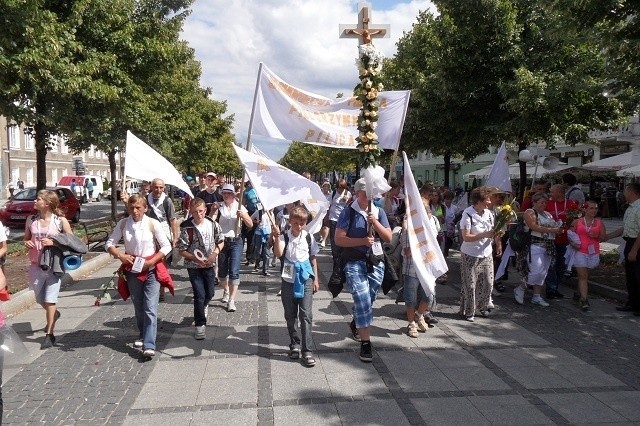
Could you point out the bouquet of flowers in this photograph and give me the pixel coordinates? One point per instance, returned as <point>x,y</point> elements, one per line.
<point>572,214</point>
<point>504,215</point>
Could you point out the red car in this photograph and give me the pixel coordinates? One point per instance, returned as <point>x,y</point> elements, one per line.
<point>17,209</point>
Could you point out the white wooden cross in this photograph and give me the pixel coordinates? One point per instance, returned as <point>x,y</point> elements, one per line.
<point>364,31</point>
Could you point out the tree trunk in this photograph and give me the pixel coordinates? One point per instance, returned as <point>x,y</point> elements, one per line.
<point>447,167</point>
<point>523,172</point>
<point>114,192</point>
<point>41,141</point>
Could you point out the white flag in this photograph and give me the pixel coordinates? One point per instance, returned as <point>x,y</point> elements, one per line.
<point>499,174</point>
<point>427,258</point>
<point>144,163</point>
<point>285,112</point>
<point>276,185</point>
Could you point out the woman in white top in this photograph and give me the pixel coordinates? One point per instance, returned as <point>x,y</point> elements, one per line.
<point>229,258</point>
<point>476,227</point>
<point>534,263</point>
<point>140,234</point>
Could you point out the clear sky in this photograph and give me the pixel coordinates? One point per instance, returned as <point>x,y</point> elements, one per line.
<point>297,39</point>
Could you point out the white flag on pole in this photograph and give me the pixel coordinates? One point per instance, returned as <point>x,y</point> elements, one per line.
<point>144,163</point>
<point>499,174</point>
<point>276,185</point>
<point>427,257</point>
<point>286,112</point>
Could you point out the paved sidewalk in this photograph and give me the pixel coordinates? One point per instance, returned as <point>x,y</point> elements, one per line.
<point>523,365</point>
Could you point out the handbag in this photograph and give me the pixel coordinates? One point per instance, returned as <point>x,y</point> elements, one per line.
<point>391,277</point>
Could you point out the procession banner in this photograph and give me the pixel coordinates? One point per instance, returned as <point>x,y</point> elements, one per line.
<point>144,163</point>
<point>276,185</point>
<point>499,174</point>
<point>427,257</point>
<point>282,111</point>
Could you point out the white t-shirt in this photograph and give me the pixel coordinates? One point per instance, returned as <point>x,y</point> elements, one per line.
<point>476,224</point>
<point>206,231</point>
<point>228,219</point>
<point>298,250</point>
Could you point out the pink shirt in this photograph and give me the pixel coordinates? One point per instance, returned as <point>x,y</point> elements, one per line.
<point>582,229</point>
<point>38,234</point>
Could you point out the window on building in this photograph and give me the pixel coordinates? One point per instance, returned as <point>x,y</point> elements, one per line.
<point>54,176</point>
<point>64,148</point>
<point>29,180</point>
<point>15,174</point>
<point>29,142</point>
<point>91,151</point>
<point>14,137</point>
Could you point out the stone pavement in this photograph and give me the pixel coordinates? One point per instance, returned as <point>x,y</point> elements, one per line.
<point>523,365</point>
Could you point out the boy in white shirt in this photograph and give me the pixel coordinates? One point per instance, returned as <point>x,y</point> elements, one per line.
<point>298,251</point>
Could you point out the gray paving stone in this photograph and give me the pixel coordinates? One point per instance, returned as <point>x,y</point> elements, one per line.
<point>474,378</point>
<point>291,387</point>
<point>380,412</point>
<point>295,415</point>
<point>356,383</point>
<point>515,357</point>
<point>435,338</point>
<point>340,362</point>
<point>495,333</point>
<point>219,391</point>
<point>453,411</point>
<point>168,394</point>
<point>452,358</point>
<point>538,377</point>
<point>581,408</point>
<point>553,356</point>
<point>158,419</point>
<point>584,375</point>
<point>243,416</point>
<point>188,370</point>
<point>509,410</point>
<point>227,368</point>
<point>624,403</point>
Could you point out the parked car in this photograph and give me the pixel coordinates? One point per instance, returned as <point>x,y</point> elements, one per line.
<point>81,192</point>
<point>16,211</point>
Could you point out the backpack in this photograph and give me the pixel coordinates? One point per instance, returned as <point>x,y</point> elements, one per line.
<point>286,244</point>
<point>519,237</point>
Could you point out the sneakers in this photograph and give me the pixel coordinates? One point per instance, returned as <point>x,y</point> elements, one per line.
<point>200,332</point>
<point>231,307</point>
<point>431,320</point>
<point>518,294</point>
<point>366,354</point>
<point>485,313</point>
<point>490,305</point>
<point>470,318</point>
<point>279,293</point>
<point>584,305</point>
<point>148,353</point>
<point>538,300</point>
<point>422,324</point>
<point>412,329</point>
<point>266,274</point>
<point>225,296</point>
<point>206,314</point>
<point>49,341</point>
<point>354,330</point>
<point>294,353</point>
<point>137,344</point>
<point>309,361</point>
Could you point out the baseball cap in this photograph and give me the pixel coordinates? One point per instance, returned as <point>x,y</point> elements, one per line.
<point>360,185</point>
<point>228,187</point>
<point>212,174</point>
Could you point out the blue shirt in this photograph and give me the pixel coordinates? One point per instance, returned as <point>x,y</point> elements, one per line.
<point>358,228</point>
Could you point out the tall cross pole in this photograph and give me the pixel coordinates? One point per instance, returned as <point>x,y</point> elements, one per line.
<point>364,30</point>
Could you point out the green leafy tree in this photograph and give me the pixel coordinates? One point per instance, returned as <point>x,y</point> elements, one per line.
<point>302,157</point>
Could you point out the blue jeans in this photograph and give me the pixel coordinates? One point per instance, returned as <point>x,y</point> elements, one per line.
<point>260,251</point>
<point>229,259</point>
<point>144,296</point>
<point>556,272</point>
<point>363,287</point>
<point>203,281</point>
<point>302,309</point>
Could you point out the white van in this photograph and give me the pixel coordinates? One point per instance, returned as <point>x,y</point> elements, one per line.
<point>81,192</point>
<point>132,186</point>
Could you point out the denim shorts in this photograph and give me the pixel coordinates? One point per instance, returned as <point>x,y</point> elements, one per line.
<point>413,292</point>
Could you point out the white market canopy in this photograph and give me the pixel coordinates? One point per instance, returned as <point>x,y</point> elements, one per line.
<point>618,162</point>
<point>514,171</point>
<point>629,172</point>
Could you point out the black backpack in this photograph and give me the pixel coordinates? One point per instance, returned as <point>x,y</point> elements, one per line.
<point>519,238</point>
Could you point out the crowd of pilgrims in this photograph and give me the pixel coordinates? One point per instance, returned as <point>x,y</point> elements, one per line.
<point>225,226</point>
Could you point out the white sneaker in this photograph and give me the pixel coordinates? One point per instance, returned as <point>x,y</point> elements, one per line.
<point>200,332</point>
<point>137,344</point>
<point>538,300</point>
<point>518,293</point>
<point>148,353</point>
<point>231,307</point>
<point>490,305</point>
<point>225,296</point>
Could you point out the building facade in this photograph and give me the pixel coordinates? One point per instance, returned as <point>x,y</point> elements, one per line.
<point>19,159</point>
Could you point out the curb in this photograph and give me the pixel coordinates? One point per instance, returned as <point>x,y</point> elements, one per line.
<point>608,292</point>
<point>24,299</point>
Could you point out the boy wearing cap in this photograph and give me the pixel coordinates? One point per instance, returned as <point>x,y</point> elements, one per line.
<point>200,243</point>
<point>210,195</point>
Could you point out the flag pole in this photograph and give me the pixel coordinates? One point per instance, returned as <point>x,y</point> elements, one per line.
<point>249,143</point>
